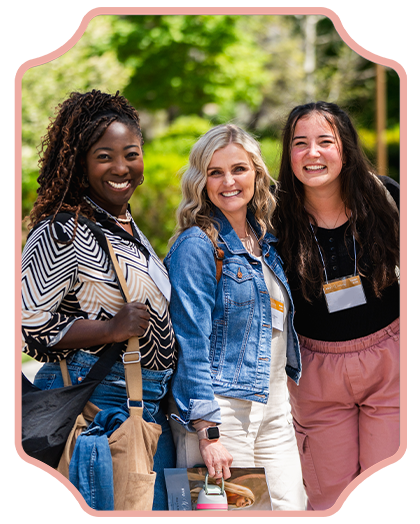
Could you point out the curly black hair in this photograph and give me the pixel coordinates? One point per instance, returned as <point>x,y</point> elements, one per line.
<point>81,120</point>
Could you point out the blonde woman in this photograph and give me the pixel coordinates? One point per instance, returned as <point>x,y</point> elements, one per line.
<point>235,334</point>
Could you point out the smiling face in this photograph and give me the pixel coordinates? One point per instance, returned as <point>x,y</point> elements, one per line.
<point>231,180</point>
<point>114,167</point>
<point>316,154</point>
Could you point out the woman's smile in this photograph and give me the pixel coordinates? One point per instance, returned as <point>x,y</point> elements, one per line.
<point>314,169</point>
<point>120,185</point>
<point>231,193</point>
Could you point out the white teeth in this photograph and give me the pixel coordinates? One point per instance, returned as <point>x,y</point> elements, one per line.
<point>119,185</point>
<point>314,168</point>
<point>231,193</point>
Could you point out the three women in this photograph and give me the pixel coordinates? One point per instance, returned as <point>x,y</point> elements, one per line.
<point>232,307</point>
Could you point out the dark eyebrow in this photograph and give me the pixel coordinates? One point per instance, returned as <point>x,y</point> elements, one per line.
<point>110,148</point>
<point>320,136</point>
<point>233,165</point>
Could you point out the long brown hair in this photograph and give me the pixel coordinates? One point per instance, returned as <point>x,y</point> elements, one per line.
<point>80,122</point>
<point>374,222</point>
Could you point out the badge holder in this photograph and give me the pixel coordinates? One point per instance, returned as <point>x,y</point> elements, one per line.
<point>345,292</point>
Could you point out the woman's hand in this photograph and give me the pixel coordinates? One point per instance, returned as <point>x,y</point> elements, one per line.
<point>216,458</point>
<point>132,320</point>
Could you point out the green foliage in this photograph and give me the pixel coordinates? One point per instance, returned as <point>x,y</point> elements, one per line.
<point>368,140</point>
<point>181,63</point>
<point>154,204</point>
<point>271,153</point>
<point>26,358</point>
<point>185,73</point>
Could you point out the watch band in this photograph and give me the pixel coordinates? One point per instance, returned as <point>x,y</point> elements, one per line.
<point>209,433</point>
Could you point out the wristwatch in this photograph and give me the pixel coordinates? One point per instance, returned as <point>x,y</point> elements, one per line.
<point>209,433</point>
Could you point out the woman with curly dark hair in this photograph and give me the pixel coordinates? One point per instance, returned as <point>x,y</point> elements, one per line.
<point>91,163</point>
<point>337,225</point>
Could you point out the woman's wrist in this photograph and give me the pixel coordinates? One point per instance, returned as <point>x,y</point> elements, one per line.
<point>200,424</point>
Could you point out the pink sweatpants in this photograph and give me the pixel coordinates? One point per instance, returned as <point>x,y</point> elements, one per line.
<point>345,410</point>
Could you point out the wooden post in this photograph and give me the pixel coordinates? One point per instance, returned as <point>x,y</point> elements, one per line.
<point>381,148</point>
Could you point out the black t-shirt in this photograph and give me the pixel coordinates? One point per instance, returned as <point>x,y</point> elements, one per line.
<point>313,320</point>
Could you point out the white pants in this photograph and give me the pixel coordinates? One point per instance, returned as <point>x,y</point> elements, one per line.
<point>256,435</point>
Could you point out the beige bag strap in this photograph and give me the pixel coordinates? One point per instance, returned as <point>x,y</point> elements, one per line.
<point>131,356</point>
<point>65,372</point>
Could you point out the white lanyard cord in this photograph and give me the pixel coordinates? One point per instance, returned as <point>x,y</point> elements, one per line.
<point>322,258</point>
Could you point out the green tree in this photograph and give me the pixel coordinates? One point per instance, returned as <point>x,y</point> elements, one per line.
<point>184,63</point>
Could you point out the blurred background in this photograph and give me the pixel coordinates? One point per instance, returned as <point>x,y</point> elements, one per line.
<point>187,73</point>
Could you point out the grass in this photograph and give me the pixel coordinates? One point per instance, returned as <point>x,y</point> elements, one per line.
<point>26,358</point>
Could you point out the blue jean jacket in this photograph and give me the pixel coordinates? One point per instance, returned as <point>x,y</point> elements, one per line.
<point>90,469</point>
<point>223,330</point>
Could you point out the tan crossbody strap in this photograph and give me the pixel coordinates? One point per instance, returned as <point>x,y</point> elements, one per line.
<point>131,356</point>
<point>218,257</point>
<point>65,372</point>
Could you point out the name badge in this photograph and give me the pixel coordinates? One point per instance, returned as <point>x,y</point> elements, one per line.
<point>160,278</point>
<point>277,314</point>
<point>344,293</point>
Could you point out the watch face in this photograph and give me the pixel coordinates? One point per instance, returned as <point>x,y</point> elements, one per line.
<point>213,432</point>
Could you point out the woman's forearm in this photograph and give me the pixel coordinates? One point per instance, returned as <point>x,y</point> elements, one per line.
<point>86,333</point>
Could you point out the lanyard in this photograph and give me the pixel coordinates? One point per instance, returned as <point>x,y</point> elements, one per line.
<point>322,258</point>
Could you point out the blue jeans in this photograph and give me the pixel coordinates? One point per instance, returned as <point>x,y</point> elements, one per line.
<point>111,392</point>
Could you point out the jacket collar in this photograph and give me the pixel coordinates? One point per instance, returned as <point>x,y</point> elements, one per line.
<point>230,238</point>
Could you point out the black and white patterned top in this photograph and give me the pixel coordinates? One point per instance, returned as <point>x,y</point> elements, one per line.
<point>63,283</point>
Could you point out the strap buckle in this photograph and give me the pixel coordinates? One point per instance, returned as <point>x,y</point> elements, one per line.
<point>140,404</point>
<point>131,353</point>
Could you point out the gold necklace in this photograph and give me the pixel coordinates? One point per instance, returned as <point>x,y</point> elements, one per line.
<point>335,223</point>
<point>250,242</point>
<point>247,233</point>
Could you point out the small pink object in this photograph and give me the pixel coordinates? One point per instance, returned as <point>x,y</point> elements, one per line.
<point>212,497</point>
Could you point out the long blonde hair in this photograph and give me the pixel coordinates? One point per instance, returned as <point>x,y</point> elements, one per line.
<point>195,207</point>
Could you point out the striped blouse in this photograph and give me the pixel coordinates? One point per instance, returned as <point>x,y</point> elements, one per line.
<point>63,283</point>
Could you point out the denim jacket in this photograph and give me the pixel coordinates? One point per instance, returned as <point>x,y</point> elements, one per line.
<point>223,330</point>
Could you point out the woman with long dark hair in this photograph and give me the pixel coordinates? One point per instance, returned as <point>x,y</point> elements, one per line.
<point>337,225</point>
